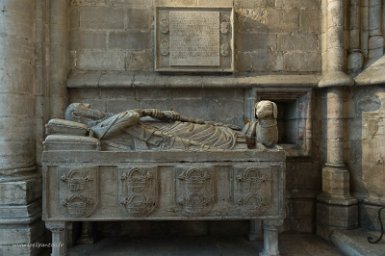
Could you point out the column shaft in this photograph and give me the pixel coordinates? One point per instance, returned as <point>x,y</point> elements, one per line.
<point>335,20</point>
<point>355,61</point>
<point>20,184</point>
<point>365,27</point>
<point>376,39</point>
<point>17,102</point>
<point>59,56</point>
<point>335,128</point>
<point>335,51</point>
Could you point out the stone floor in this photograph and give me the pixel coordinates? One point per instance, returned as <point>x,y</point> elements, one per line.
<point>355,242</point>
<point>290,245</point>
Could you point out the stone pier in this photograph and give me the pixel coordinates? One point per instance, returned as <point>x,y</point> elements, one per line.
<point>20,185</point>
<point>336,208</point>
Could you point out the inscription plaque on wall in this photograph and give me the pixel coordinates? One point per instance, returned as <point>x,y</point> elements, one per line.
<point>194,39</point>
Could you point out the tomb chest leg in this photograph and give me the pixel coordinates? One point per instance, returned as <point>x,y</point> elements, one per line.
<point>270,238</point>
<point>59,246</point>
<point>255,231</point>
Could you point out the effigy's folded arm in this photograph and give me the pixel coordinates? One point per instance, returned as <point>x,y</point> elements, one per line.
<point>115,124</point>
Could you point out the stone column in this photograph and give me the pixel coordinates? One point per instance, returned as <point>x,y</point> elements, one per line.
<point>20,185</point>
<point>365,27</point>
<point>376,39</point>
<point>383,21</point>
<point>355,61</point>
<point>336,209</point>
<point>59,56</point>
<point>335,52</point>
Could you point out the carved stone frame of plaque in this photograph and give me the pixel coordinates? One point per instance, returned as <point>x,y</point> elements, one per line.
<point>194,39</point>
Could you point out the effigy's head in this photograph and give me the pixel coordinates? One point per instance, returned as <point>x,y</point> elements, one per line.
<point>83,113</point>
<point>266,109</point>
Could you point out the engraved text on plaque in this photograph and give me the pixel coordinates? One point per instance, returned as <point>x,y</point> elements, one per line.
<point>195,38</point>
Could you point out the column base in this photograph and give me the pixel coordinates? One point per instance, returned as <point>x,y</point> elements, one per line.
<point>334,214</point>
<point>23,240</point>
<point>21,229</point>
<point>267,254</point>
<point>355,62</point>
<point>335,78</point>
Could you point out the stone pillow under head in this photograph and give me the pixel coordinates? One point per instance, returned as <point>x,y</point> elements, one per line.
<point>62,126</point>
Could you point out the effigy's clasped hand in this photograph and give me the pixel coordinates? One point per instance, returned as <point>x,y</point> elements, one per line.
<point>171,115</point>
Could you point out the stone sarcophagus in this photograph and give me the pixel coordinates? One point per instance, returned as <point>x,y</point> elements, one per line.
<point>127,167</point>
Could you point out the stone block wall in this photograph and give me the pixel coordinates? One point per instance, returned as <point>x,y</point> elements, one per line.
<point>278,36</point>
<point>271,35</point>
<point>111,35</point>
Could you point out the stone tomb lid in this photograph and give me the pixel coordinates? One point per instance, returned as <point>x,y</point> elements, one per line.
<point>194,39</point>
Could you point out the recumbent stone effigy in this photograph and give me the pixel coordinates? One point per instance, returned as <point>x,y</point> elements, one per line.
<point>148,164</point>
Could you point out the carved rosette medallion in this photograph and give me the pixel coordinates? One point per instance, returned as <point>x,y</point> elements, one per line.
<point>164,48</point>
<point>164,25</point>
<point>139,190</point>
<point>78,190</point>
<point>225,27</point>
<point>194,191</point>
<point>225,49</point>
<point>252,190</point>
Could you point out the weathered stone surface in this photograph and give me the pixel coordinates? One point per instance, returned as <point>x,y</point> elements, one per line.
<point>175,3</point>
<point>273,38</point>
<point>345,217</point>
<point>310,20</point>
<point>90,79</point>
<point>101,60</point>
<point>299,41</point>
<point>139,18</point>
<point>297,3</point>
<point>369,216</point>
<point>286,20</point>
<point>372,135</point>
<point>20,213</point>
<point>21,235</point>
<point>304,61</point>
<point>84,39</point>
<point>246,42</point>
<point>259,61</point>
<point>101,18</point>
<point>131,40</point>
<point>373,74</point>
<point>215,3</point>
<point>355,242</point>
<point>20,192</point>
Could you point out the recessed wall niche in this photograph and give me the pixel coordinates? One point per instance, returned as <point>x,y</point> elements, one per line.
<point>294,119</point>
